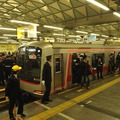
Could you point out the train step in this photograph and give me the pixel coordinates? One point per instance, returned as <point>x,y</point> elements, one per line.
<point>2,98</point>
<point>2,90</point>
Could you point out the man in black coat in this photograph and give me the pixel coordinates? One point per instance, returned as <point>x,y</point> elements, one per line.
<point>99,68</point>
<point>13,92</point>
<point>47,78</point>
<point>83,70</point>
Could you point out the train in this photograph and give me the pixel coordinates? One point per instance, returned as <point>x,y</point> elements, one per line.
<point>32,56</point>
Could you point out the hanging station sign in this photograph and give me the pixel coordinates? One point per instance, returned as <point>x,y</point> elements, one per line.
<point>27,32</point>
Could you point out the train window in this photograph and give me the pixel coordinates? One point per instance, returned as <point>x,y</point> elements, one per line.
<point>20,58</point>
<point>95,57</point>
<point>57,65</point>
<point>22,50</point>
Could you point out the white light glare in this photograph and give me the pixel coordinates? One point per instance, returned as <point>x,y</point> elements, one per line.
<point>116,13</point>
<point>23,22</point>
<point>98,4</point>
<point>52,27</point>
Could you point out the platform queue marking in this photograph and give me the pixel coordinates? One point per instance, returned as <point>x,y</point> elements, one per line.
<point>61,107</point>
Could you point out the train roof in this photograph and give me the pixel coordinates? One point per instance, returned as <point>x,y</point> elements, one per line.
<point>42,45</point>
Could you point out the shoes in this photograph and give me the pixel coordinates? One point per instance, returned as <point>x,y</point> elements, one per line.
<point>22,115</point>
<point>12,118</point>
<point>49,100</point>
<point>44,102</point>
<point>87,88</point>
<point>82,87</point>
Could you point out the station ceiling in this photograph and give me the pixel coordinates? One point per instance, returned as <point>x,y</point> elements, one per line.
<point>71,15</point>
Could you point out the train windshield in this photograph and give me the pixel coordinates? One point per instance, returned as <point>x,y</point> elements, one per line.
<point>30,60</point>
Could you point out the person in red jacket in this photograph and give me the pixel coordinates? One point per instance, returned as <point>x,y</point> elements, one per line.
<point>14,93</point>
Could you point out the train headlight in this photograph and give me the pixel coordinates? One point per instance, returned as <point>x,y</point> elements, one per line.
<point>38,92</point>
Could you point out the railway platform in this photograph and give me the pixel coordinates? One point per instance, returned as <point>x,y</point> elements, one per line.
<point>100,102</point>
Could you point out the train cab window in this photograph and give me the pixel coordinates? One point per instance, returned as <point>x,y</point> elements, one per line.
<point>57,65</point>
<point>20,58</point>
<point>33,61</point>
<point>29,58</point>
<point>95,57</point>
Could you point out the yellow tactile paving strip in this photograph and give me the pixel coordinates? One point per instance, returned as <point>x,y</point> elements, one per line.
<point>59,108</point>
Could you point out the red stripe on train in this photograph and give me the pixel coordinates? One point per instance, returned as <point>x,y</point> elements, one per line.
<point>29,82</point>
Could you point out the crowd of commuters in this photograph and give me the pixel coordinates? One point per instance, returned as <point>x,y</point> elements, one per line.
<point>6,63</point>
<point>81,68</point>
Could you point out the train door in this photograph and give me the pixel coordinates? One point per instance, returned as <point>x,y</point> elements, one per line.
<point>58,72</point>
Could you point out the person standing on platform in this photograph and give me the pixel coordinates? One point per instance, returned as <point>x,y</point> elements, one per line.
<point>14,93</point>
<point>75,69</point>
<point>89,72</point>
<point>46,79</point>
<point>99,68</point>
<point>1,72</point>
<point>83,70</point>
<point>118,62</point>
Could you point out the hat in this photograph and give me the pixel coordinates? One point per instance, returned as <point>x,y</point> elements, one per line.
<point>48,57</point>
<point>16,68</point>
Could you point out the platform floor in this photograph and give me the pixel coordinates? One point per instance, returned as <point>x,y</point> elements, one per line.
<point>101,102</point>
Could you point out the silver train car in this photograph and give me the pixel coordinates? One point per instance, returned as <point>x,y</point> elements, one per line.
<point>32,57</point>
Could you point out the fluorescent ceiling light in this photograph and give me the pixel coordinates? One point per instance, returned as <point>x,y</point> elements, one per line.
<point>52,27</point>
<point>23,22</point>
<point>116,13</point>
<point>74,36</point>
<point>38,32</point>
<point>58,34</point>
<point>98,4</point>
<point>82,32</point>
<point>3,42</point>
<point>11,40</point>
<point>104,36</point>
<point>12,29</point>
<point>114,37</point>
<point>95,34</point>
<point>9,35</point>
<point>3,37</point>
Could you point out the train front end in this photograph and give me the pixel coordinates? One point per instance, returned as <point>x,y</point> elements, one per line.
<point>29,58</point>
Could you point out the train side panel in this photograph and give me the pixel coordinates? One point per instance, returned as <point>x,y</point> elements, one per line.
<point>61,63</point>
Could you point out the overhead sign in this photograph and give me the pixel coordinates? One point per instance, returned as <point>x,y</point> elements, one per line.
<point>27,32</point>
